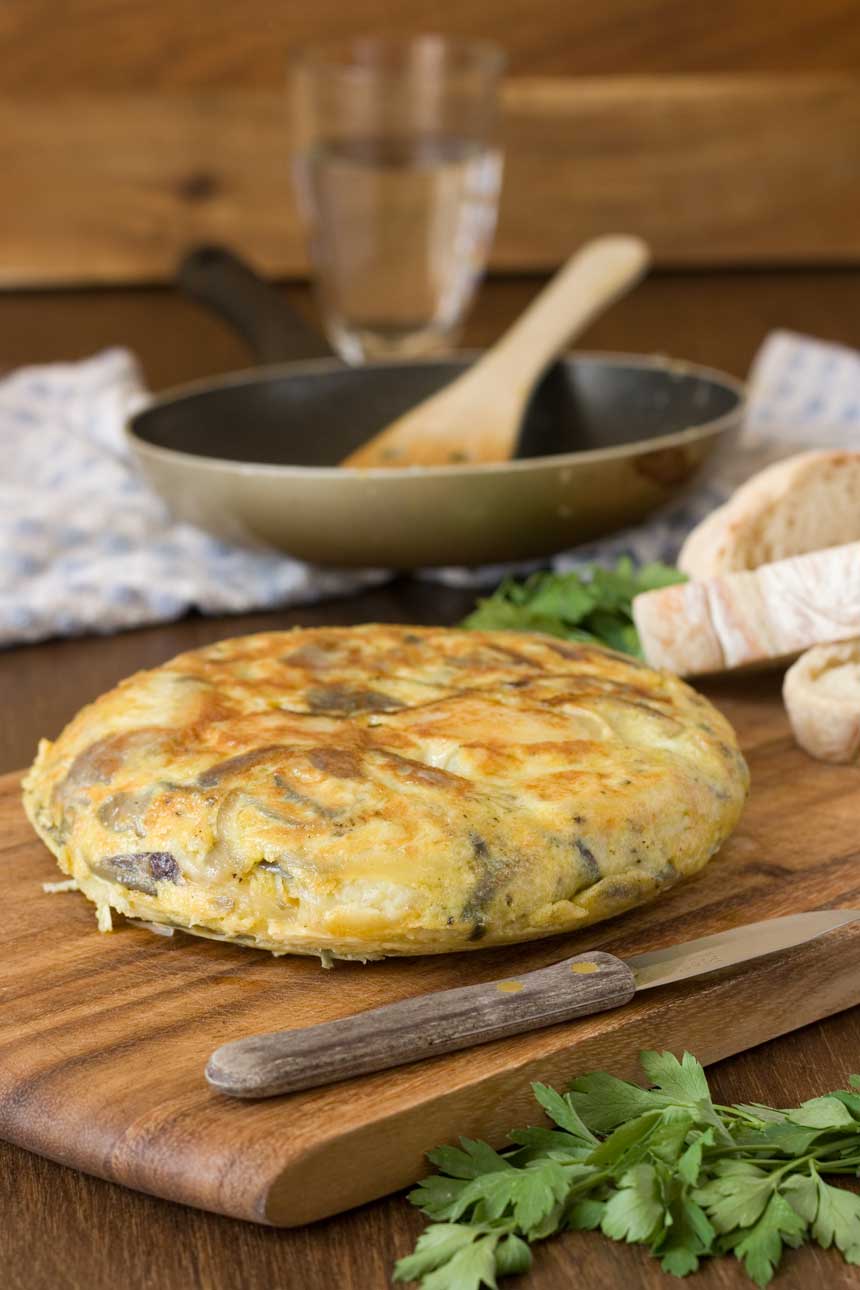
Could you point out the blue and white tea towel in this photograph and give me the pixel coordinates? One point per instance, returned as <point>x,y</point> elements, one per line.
<point>86,546</point>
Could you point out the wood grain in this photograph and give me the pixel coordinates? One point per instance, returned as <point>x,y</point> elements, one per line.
<point>113,188</point>
<point>110,45</point>
<point>103,1039</point>
<point>423,1026</point>
<point>71,1231</point>
<point>74,1232</point>
<point>712,318</point>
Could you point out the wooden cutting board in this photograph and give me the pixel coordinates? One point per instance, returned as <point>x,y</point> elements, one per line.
<point>103,1039</point>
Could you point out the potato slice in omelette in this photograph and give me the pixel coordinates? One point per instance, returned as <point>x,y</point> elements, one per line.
<point>364,791</point>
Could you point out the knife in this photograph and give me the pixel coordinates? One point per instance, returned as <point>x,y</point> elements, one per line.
<point>444,1021</point>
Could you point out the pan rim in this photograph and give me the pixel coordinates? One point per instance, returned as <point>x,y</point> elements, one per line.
<point>609,358</point>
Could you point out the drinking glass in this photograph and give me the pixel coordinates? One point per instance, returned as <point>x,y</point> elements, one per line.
<point>397,172</point>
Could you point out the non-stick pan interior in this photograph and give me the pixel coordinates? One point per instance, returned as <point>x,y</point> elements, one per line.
<point>314,417</point>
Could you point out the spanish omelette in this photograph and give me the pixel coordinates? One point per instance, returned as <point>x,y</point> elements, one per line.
<point>364,791</point>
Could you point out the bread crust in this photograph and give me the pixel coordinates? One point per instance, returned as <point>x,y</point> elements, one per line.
<point>752,619</point>
<point>822,698</point>
<point>806,503</point>
<point>360,792</point>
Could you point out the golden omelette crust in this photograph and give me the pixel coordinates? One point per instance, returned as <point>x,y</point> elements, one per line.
<point>364,791</point>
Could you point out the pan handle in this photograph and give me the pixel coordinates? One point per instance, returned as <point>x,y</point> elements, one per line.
<point>218,279</point>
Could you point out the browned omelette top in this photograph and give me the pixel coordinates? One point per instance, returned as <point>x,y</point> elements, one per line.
<point>379,789</point>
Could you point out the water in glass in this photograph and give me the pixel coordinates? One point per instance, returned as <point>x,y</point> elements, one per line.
<point>403,226</point>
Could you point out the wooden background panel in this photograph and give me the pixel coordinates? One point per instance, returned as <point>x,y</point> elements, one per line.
<point>710,170</point>
<point>127,45</point>
<point>726,134</point>
<point>112,188</point>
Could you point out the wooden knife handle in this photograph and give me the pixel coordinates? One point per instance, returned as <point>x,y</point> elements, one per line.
<point>441,1022</point>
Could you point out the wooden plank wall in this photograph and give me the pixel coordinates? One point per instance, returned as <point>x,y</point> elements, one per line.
<point>726,134</point>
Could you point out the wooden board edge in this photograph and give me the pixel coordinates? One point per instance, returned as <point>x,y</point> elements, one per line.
<point>288,1183</point>
<point>776,998</point>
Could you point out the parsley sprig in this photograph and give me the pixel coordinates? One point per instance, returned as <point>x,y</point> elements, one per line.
<point>593,605</point>
<point>663,1166</point>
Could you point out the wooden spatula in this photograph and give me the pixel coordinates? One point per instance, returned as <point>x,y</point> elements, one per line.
<point>477,418</point>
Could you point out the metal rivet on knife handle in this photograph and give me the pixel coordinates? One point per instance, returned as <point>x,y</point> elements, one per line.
<point>413,1029</point>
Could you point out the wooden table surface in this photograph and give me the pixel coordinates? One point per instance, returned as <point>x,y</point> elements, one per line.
<point>64,1231</point>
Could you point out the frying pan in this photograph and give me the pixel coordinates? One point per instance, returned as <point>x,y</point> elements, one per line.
<point>251,457</point>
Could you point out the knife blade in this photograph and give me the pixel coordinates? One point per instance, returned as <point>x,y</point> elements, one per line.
<point>739,945</point>
<point>444,1021</point>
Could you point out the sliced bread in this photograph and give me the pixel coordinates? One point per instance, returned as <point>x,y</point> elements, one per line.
<point>803,504</point>
<point>742,619</point>
<point>822,697</point>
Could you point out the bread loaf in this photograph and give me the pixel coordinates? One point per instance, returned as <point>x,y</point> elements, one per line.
<point>741,619</point>
<point>822,697</point>
<point>806,503</point>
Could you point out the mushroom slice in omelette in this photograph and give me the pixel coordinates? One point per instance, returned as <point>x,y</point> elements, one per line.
<point>364,791</point>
